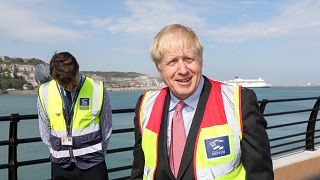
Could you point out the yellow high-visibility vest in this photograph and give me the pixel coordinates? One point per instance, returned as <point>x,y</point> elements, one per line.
<point>85,127</point>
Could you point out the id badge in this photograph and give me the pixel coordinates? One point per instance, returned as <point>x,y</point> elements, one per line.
<point>66,141</point>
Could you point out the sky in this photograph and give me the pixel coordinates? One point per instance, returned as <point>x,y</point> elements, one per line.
<point>278,40</point>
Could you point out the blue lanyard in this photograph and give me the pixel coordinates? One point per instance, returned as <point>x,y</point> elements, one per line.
<point>69,112</point>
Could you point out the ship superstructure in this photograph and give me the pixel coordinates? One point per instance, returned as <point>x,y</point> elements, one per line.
<point>249,83</point>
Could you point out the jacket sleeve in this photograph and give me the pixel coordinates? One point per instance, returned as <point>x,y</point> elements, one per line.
<point>138,155</point>
<point>255,146</point>
<point>106,121</point>
<point>44,124</point>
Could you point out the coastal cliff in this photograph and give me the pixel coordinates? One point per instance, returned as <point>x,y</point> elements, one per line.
<point>120,81</point>
<point>33,74</point>
<point>19,73</point>
<point>28,74</point>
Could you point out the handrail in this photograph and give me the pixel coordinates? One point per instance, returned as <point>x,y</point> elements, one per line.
<point>13,142</point>
<point>311,126</point>
<point>311,122</point>
<point>309,133</point>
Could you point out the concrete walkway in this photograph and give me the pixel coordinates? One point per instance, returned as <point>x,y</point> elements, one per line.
<point>299,166</point>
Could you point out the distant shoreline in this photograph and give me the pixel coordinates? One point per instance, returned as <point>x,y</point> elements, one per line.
<point>16,92</point>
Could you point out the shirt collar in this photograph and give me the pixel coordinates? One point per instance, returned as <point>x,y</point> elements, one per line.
<point>191,101</point>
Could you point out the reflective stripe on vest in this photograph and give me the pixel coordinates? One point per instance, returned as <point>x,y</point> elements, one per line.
<point>76,152</point>
<point>220,133</point>
<point>85,123</point>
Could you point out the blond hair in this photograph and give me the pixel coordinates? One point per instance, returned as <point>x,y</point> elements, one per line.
<point>172,37</point>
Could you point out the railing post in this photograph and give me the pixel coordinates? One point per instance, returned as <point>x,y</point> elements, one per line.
<point>12,152</point>
<point>263,105</point>
<point>311,126</point>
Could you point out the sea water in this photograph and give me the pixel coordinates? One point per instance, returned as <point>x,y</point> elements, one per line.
<point>26,104</point>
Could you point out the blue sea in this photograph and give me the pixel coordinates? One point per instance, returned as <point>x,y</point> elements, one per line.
<point>26,104</point>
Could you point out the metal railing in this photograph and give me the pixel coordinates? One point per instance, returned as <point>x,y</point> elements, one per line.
<point>309,133</point>
<point>14,141</point>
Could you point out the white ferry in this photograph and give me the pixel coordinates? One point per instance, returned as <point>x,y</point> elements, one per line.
<point>249,83</point>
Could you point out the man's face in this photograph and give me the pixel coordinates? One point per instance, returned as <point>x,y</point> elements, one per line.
<point>181,71</point>
<point>72,85</point>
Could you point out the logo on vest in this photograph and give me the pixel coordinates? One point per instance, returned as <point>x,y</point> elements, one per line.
<point>84,103</point>
<point>217,147</point>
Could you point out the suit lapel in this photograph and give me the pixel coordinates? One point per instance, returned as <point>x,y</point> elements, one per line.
<point>194,129</point>
<point>163,159</point>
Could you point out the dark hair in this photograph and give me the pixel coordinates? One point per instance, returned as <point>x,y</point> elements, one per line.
<point>64,67</point>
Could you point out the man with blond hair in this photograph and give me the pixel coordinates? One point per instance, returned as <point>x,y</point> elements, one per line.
<point>196,128</point>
